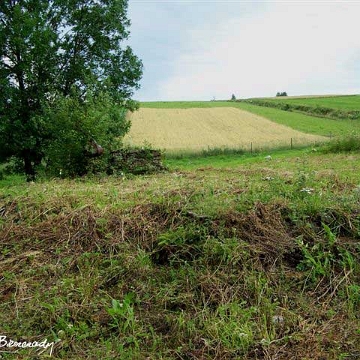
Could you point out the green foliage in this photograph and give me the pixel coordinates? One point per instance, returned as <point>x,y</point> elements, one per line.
<point>180,237</point>
<point>122,313</point>
<point>73,124</point>
<point>51,50</point>
<point>323,258</point>
<point>352,294</point>
<point>281,94</point>
<point>233,325</point>
<point>350,143</point>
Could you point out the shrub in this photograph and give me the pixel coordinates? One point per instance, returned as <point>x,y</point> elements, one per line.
<point>351,143</point>
<point>74,125</point>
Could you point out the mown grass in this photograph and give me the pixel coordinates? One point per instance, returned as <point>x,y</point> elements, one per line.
<point>350,102</point>
<point>223,158</point>
<point>301,122</point>
<point>250,258</point>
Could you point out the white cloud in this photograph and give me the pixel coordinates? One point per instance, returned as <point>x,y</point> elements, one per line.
<point>299,47</point>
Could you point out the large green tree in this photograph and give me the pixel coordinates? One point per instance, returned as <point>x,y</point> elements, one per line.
<point>53,50</point>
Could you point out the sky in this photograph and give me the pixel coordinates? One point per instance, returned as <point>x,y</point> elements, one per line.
<point>205,50</point>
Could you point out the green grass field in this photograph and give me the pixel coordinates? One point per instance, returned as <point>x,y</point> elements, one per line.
<point>305,123</point>
<point>351,102</point>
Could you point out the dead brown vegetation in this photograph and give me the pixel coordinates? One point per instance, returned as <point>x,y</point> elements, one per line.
<point>38,243</point>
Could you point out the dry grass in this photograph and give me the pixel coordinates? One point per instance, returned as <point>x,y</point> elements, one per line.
<point>213,264</point>
<point>201,128</point>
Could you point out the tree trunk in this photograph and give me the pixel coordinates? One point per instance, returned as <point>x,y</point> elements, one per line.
<point>28,165</point>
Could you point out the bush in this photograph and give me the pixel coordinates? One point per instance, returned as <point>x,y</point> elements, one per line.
<point>351,143</point>
<point>75,126</point>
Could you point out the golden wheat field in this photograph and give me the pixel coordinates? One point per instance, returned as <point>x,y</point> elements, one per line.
<point>203,128</point>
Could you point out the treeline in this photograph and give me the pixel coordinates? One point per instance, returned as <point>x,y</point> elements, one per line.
<point>318,111</point>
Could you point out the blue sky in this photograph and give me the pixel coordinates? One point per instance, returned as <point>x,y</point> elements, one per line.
<point>201,50</point>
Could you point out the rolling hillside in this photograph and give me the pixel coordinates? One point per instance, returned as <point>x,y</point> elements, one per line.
<point>215,127</point>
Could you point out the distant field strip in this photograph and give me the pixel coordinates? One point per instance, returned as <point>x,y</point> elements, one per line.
<point>202,128</point>
<point>348,103</point>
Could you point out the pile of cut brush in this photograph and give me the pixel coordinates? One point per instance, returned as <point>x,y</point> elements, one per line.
<point>136,161</point>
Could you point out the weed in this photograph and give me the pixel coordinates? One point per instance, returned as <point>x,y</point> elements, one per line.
<point>232,325</point>
<point>122,314</point>
<point>323,258</point>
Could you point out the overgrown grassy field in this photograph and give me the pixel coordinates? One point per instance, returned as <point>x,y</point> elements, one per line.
<point>241,257</point>
<point>195,129</point>
<point>350,102</point>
